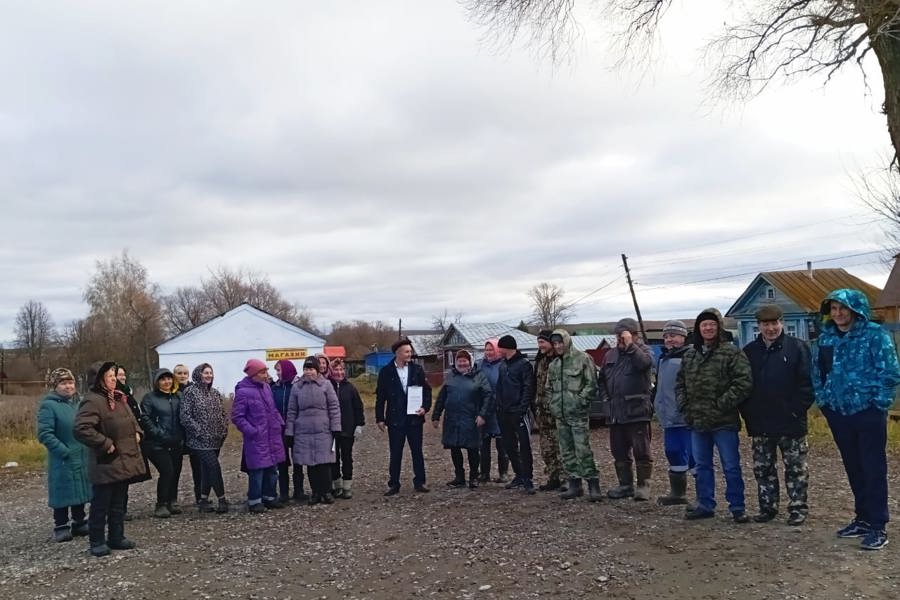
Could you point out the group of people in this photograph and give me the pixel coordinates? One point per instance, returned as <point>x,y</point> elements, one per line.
<point>701,393</point>
<point>100,444</point>
<point>702,390</point>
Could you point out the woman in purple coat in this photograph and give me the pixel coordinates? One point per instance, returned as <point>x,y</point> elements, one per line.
<point>255,415</point>
<point>313,423</point>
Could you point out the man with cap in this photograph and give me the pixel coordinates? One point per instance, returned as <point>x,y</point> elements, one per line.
<point>676,435</point>
<point>855,373</point>
<point>396,382</point>
<point>713,381</point>
<point>571,386</point>
<point>515,396</point>
<point>624,382</point>
<point>546,423</point>
<point>775,414</point>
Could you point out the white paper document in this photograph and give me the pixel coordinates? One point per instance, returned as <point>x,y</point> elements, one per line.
<point>413,399</point>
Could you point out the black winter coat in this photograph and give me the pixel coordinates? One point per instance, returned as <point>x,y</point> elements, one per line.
<point>624,382</point>
<point>160,420</point>
<point>462,398</point>
<point>352,413</point>
<point>516,386</point>
<point>782,387</point>
<point>390,397</point>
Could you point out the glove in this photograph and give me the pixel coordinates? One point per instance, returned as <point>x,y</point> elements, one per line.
<point>289,441</point>
<point>357,433</point>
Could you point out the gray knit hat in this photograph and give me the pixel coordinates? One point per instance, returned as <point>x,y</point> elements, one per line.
<point>675,327</point>
<point>627,324</point>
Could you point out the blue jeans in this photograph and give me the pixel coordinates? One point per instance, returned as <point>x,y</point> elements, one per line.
<point>861,439</point>
<point>677,443</point>
<point>728,444</point>
<point>261,485</point>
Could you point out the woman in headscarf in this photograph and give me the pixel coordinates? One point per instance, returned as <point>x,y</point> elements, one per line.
<point>313,424</point>
<point>324,365</point>
<point>67,481</point>
<point>255,415</point>
<point>353,419</point>
<point>281,394</point>
<point>164,440</point>
<point>465,400</point>
<point>205,425</point>
<point>490,368</point>
<point>105,424</point>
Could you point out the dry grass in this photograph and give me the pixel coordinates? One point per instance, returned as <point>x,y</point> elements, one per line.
<point>18,415</point>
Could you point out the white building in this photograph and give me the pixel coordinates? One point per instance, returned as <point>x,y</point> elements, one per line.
<point>229,340</point>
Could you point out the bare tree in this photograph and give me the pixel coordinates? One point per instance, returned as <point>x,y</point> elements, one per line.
<point>224,290</point>
<point>34,329</point>
<point>361,337</point>
<point>879,191</point>
<point>549,308</point>
<point>773,39</point>
<point>444,320</point>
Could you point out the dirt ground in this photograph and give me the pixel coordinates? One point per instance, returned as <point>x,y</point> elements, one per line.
<point>487,543</point>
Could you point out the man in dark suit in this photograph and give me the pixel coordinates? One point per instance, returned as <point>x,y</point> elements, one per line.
<point>396,382</point>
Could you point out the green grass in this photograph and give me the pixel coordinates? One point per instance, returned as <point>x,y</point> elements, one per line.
<point>819,432</point>
<point>30,454</point>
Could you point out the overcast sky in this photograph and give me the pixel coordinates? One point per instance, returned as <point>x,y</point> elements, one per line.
<point>378,160</point>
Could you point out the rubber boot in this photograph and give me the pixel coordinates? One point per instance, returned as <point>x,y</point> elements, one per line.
<point>677,490</point>
<point>574,490</point>
<point>97,541</point>
<point>644,471</point>
<point>348,489</point>
<point>625,475</point>
<point>62,533</point>
<point>594,493</point>
<point>337,488</point>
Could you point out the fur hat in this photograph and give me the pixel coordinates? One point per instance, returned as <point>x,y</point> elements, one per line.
<point>675,328</point>
<point>508,342</point>
<point>254,366</point>
<point>769,312</point>
<point>57,376</point>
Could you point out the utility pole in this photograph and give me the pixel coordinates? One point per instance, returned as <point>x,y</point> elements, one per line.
<point>634,298</point>
<point>400,329</point>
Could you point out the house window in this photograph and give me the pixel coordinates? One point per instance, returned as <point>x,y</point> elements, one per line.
<point>791,330</point>
<point>770,293</point>
<point>755,331</point>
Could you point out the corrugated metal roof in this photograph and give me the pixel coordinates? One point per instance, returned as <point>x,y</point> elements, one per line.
<point>592,342</point>
<point>426,344</point>
<point>808,292</point>
<point>476,334</point>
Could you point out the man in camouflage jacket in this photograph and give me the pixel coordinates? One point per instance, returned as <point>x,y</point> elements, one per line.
<point>714,380</point>
<point>571,386</point>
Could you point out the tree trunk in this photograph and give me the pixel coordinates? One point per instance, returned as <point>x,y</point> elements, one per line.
<point>886,46</point>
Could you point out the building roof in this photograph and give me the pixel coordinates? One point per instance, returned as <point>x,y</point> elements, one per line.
<point>425,344</point>
<point>890,295</point>
<point>808,288</point>
<point>335,352</point>
<point>476,334</point>
<point>592,342</point>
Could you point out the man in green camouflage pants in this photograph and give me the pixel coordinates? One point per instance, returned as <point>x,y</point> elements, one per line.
<point>546,423</point>
<point>571,386</point>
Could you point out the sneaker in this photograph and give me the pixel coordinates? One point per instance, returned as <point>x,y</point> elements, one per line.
<point>796,518</point>
<point>740,516</point>
<point>515,483</point>
<point>422,489</point>
<point>259,507</point>
<point>392,491</point>
<point>765,516</point>
<point>698,513</point>
<point>876,539</point>
<point>456,483</point>
<point>854,530</point>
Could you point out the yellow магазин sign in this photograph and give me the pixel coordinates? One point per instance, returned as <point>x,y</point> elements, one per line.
<point>286,353</point>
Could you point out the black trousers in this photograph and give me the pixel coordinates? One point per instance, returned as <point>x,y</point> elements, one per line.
<point>61,515</point>
<point>210,473</point>
<point>456,456</point>
<point>517,439</point>
<point>108,508</point>
<point>196,475</point>
<point>319,479</point>
<point>168,463</point>
<point>410,431</point>
<point>284,479</point>
<point>502,458</point>
<point>343,463</point>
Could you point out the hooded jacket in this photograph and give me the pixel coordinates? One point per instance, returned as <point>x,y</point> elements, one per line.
<point>782,387</point>
<point>624,382</point>
<point>203,414</point>
<point>281,389</point>
<point>254,414</point>
<point>713,381</point>
<point>571,383</point>
<point>160,416</point>
<point>857,370</point>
